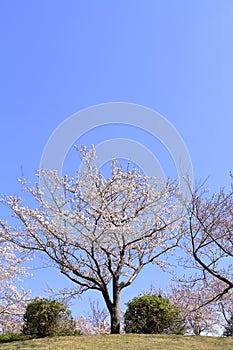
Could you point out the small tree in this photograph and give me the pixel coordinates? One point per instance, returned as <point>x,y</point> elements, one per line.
<point>96,321</point>
<point>45,317</point>
<point>13,299</point>
<point>152,314</point>
<point>228,332</point>
<point>201,316</point>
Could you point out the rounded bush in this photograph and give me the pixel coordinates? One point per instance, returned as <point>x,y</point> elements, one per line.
<point>152,314</point>
<point>44,317</point>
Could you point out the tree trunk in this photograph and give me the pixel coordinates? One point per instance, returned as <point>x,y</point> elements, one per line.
<point>115,319</point>
<point>115,308</point>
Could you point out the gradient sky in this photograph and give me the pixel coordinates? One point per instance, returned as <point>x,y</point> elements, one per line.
<point>58,57</point>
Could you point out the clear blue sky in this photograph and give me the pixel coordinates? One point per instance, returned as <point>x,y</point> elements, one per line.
<point>58,57</point>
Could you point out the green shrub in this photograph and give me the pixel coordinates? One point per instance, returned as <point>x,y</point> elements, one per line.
<point>44,317</point>
<point>9,337</point>
<point>152,314</point>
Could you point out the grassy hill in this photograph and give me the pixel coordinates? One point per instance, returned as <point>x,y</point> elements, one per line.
<point>123,342</point>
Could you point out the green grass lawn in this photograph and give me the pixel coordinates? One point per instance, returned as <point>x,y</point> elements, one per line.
<point>123,342</point>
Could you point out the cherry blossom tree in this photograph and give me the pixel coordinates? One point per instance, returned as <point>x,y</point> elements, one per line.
<point>201,318</point>
<point>208,240</point>
<point>95,322</point>
<point>224,305</point>
<point>100,231</point>
<point>194,296</point>
<point>13,298</point>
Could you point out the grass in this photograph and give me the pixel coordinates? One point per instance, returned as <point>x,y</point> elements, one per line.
<point>123,342</point>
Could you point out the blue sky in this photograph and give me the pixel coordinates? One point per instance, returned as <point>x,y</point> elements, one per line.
<point>59,57</point>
